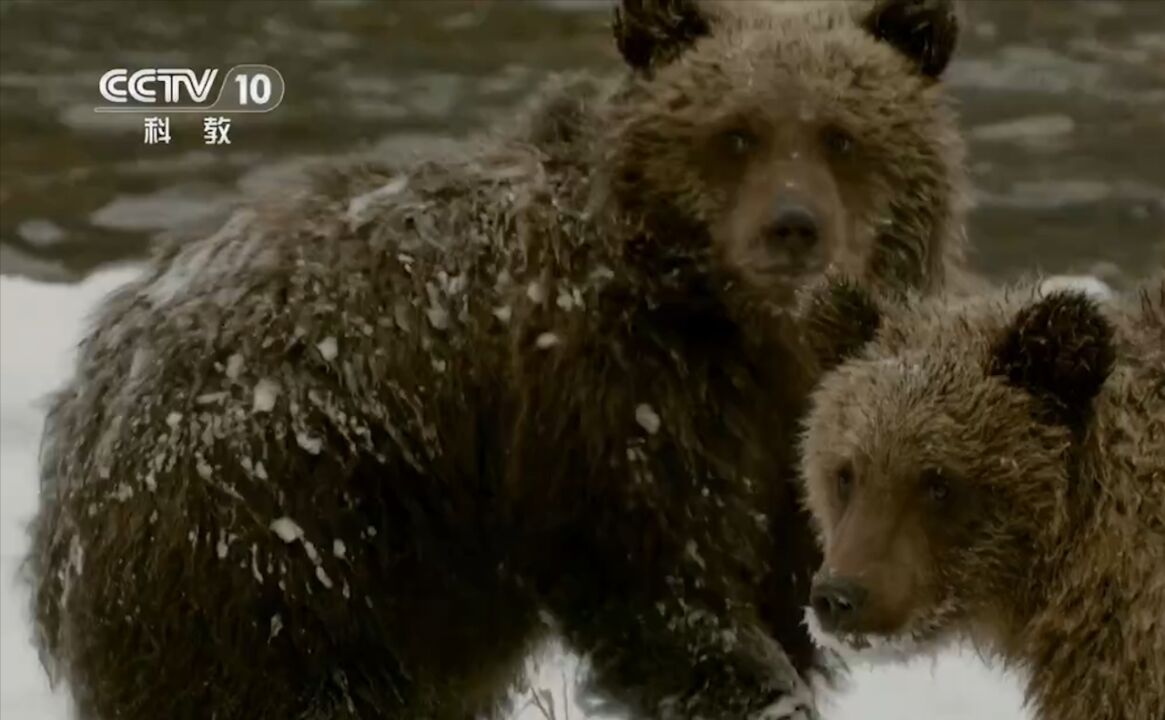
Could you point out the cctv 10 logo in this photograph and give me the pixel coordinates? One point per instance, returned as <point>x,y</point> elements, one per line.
<point>244,88</point>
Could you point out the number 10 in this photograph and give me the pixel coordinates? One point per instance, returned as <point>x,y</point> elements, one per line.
<point>258,89</point>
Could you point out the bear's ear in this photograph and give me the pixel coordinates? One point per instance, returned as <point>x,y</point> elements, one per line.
<point>923,30</point>
<point>1060,349</point>
<point>652,33</point>
<point>838,317</point>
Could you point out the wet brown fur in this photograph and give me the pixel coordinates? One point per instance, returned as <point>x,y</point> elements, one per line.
<point>995,471</point>
<point>340,459</point>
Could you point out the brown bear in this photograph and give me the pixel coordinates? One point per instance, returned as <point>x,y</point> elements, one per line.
<point>993,471</point>
<point>353,454</point>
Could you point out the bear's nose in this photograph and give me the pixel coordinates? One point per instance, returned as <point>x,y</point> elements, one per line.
<point>838,602</point>
<point>794,226</point>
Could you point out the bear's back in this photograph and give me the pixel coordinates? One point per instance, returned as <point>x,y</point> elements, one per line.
<point>376,296</point>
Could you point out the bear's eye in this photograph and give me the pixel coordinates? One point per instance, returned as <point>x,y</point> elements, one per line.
<point>739,141</point>
<point>838,141</point>
<point>845,482</point>
<point>938,487</point>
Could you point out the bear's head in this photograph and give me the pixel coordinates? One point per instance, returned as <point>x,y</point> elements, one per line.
<point>778,138</point>
<point>939,458</point>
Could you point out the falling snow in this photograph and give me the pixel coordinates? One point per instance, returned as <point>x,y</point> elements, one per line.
<point>255,572</point>
<point>287,529</point>
<point>309,443</point>
<point>692,550</point>
<point>266,390</point>
<point>312,553</point>
<point>234,366</point>
<point>205,471</point>
<point>438,317</point>
<point>647,418</point>
<point>360,207</point>
<point>328,348</point>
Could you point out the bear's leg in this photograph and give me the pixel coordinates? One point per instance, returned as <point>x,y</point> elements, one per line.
<point>647,551</point>
<point>783,594</point>
<point>667,644</point>
<point>187,636</point>
<point>175,618</point>
<point>232,651</point>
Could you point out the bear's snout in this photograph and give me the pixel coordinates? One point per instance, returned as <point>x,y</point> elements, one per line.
<point>794,227</point>
<point>793,230</point>
<point>838,602</point>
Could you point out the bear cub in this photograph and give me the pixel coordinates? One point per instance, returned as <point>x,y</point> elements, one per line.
<point>993,471</point>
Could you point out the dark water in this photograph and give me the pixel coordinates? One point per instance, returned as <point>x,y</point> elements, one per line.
<point>1064,104</point>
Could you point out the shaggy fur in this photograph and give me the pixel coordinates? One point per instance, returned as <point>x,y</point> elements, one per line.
<point>342,458</point>
<point>995,471</point>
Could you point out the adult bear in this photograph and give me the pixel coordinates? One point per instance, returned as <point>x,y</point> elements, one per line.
<point>341,458</point>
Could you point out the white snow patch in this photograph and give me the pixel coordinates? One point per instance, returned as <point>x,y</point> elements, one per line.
<point>565,300</point>
<point>692,550</point>
<point>312,553</point>
<point>338,549</point>
<point>790,707</point>
<point>536,292</point>
<point>205,471</point>
<point>255,573</point>
<point>438,317</point>
<point>328,348</point>
<point>359,206</point>
<point>287,529</point>
<point>546,341</point>
<point>875,649</point>
<point>266,390</point>
<point>602,273</point>
<point>234,366</point>
<point>309,443</point>
<point>647,418</point>
<point>1093,287</point>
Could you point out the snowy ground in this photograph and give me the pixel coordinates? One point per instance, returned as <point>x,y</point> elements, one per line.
<point>38,326</point>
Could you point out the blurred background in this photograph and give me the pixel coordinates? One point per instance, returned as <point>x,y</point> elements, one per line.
<point>1063,103</point>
